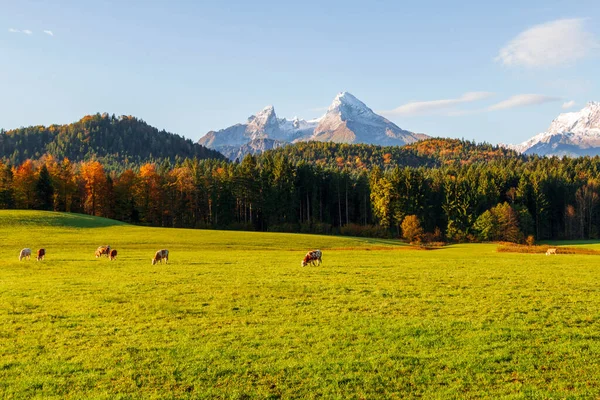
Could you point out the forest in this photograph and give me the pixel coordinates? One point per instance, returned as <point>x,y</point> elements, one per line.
<point>117,142</point>
<point>435,190</point>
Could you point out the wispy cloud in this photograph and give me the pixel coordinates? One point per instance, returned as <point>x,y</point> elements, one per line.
<point>522,100</point>
<point>559,42</point>
<point>49,33</point>
<point>568,104</point>
<point>27,32</point>
<point>437,106</point>
<point>13,30</point>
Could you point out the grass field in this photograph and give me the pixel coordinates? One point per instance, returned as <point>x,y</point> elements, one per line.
<point>235,316</point>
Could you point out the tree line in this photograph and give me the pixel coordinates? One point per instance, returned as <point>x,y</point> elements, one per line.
<point>118,142</point>
<point>505,198</point>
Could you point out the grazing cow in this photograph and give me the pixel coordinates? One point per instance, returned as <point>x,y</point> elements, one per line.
<point>26,252</point>
<point>312,257</point>
<point>551,251</point>
<point>113,254</point>
<point>103,251</point>
<point>161,255</point>
<point>41,254</point>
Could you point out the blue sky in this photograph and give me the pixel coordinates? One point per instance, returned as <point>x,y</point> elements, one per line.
<point>489,71</point>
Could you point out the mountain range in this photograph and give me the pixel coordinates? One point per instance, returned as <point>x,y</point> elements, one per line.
<point>571,134</point>
<point>347,120</point>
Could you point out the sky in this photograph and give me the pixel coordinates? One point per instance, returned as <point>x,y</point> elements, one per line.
<point>498,72</point>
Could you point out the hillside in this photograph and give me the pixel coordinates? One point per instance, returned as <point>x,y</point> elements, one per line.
<point>426,153</point>
<point>106,138</point>
<point>39,219</point>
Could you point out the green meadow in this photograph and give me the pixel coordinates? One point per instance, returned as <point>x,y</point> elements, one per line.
<point>234,316</point>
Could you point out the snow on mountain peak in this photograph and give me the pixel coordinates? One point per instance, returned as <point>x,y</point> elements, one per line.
<point>573,133</point>
<point>347,120</point>
<point>345,101</point>
<point>263,123</point>
<point>578,121</point>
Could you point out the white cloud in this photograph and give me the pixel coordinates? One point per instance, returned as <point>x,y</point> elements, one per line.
<point>568,104</point>
<point>435,106</point>
<point>27,32</point>
<point>49,33</point>
<point>13,30</point>
<point>554,43</point>
<point>522,100</point>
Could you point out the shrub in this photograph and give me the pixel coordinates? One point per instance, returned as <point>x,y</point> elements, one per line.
<point>411,229</point>
<point>530,241</point>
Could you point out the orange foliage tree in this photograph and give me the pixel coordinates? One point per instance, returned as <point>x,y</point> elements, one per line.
<point>24,184</point>
<point>94,178</point>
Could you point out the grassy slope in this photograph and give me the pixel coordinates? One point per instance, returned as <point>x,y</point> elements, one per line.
<point>235,316</point>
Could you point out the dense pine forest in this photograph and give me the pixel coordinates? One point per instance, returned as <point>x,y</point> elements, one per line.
<point>118,142</point>
<point>434,190</point>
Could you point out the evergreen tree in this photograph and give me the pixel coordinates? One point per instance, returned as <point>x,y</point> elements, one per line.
<point>44,190</point>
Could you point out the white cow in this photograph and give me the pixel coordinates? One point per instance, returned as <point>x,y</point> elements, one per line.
<point>551,251</point>
<point>161,255</point>
<point>312,257</point>
<point>26,252</point>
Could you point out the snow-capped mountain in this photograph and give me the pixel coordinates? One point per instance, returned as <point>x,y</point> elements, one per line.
<point>263,125</point>
<point>570,134</point>
<point>347,120</point>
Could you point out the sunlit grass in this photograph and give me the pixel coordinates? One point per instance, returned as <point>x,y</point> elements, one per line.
<point>235,316</point>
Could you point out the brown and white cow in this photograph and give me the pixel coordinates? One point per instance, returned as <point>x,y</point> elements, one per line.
<point>41,253</point>
<point>312,257</point>
<point>103,251</point>
<point>25,253</point>
<point>161,255</point>
<point>113,255</point>
<point>551,251</point>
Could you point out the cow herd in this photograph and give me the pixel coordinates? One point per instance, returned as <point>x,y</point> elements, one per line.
<point>312,257</point>
<point>26,253</point>
<point>160,255</point>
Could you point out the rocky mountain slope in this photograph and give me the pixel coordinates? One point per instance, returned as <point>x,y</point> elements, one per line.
<point>347,120</point>
<point>570,134</point>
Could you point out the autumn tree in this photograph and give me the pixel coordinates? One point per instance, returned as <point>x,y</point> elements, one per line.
<point>24,185</point>
<point>94,178</point>
<point>411,229</point>
<point>149,195</point>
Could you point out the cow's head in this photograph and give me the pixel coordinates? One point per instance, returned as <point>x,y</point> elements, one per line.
<point>153,261</point>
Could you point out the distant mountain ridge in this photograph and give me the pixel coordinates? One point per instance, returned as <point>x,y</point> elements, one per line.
<point>111,139</point>
<point>347,120</point>
<point>570,134</point>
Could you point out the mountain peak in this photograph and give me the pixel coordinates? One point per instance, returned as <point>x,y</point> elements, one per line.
<point>348,101</point>
<point>573,133</point>
<point>347,120</point>
<point>263,118</point>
